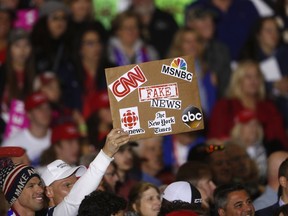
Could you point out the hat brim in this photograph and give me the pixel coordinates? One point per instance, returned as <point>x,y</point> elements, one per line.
<point>79,171</point>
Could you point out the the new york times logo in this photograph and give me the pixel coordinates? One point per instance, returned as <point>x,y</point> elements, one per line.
<point>192,116</point>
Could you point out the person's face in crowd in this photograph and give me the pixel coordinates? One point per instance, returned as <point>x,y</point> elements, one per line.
<point>68,151</point>
<point>124,158</point>
<point>269,34</point>
<point>238,204</point>
<point>52,90</point>
<point>60,188</point>
<point>5,24</point>
<point>239,161</point>
<point>152,155</point>
<point>204,26</point>
<point>111,177</point>
<point>220,167</point>
<point>80,9</point>
<point>57,24</point>
<point>91,46</point>
<point>105,115</point>
<point>150,203</point>
<point>206,183</point>
<point>20,51</point>
<point>190,44</point>
<point>251,81</point>
<point>31,198</point>
<point>129,31</point>
<point>250,132</point>
<point>40,115</point>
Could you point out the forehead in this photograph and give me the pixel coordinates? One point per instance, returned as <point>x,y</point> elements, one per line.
<point>150,191</point>
<point>237,196</point>
<point>34,180</point>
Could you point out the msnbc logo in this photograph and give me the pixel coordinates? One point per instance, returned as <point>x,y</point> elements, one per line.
<point>179,63</point>
<point>178,69</point>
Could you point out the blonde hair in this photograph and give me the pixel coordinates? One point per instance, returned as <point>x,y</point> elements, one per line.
<point>235,90</point>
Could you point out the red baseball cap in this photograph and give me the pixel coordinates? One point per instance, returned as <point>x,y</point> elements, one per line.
<point>34,100</point>
<point>245,116</point>
<point>65,131</point>
<point>11,151</point>
<point>182,213</point>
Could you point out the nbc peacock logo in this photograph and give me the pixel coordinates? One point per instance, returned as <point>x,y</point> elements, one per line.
<point>178,68</point>
<point>179,63</point>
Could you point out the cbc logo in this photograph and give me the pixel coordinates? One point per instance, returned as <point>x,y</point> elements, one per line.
<point>192,116</point>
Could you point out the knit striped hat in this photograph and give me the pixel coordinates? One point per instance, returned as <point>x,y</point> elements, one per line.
<point>13,179</point>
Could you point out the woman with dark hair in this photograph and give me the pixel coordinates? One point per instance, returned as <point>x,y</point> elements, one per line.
<point>91,66</point>
<point>16,75</point>
<point>53,50</point>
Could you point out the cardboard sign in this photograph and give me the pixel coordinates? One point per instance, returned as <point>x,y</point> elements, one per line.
<point>155,98</point>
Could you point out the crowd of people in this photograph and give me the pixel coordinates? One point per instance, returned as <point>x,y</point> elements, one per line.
<point>59,154</point>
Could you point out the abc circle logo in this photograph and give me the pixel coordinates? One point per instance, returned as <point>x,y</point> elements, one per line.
<point>129,119</point>
<point>192,116</point>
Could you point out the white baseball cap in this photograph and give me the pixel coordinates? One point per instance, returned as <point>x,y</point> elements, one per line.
<point>58,169</point>
<point>183,191</point>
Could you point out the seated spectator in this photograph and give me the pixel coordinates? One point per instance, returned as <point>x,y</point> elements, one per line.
<point>243,168</point>
<point>65,145</point>
<point>249,133</point>
<point>156,23</point>
<point>150,154</point>
<point>217,159</point>
<point>189,42</point>
<point>91,63</point>
<point>144,199</point>
<point>269,196</point>
<point>53,50</point>
<point>101,203</point>
<point>180,195</point>
<point>6,19</point>
<point>200,176</point>
<point>126,46</point>
<point>247,91</point>
<point>30,199</point>
<point>36,138</point>
<point>265,45</point>
<point>17,73</point>
<point>233,199</point>
<point>230,14</point>
<point>282,191</point>
<point>201,19</point>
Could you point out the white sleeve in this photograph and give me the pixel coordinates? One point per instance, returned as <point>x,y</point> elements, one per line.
<point>84,186</point>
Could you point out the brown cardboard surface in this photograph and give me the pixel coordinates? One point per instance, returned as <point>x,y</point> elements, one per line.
<point>131,93</point>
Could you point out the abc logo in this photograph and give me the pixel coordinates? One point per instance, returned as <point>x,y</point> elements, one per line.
<point>192,116</point>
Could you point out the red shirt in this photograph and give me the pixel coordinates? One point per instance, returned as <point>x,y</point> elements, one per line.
<point>225,110</point>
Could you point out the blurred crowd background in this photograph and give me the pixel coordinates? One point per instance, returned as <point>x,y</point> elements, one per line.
<point>53,56</point>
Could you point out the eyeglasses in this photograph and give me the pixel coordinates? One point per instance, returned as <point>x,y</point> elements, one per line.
<point>212,148</point>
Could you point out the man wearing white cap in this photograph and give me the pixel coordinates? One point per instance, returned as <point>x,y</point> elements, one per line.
<point>64,191</point>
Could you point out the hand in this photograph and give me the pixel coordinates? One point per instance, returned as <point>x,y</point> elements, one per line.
<point>115,139</point>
